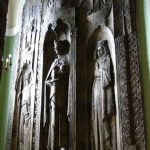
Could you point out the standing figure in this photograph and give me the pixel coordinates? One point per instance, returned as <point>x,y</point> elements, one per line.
<point>102,111</point>
<point>58,80</point>
<point>24,88</point>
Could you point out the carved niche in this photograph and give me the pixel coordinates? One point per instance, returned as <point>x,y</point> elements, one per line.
<point>78,78</point>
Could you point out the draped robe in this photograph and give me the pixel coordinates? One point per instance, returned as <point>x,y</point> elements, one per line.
<point>102,105</point>
<point>23,92</point>
<point>58,79</point>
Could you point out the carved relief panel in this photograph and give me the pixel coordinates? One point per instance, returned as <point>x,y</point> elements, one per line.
<point>74,86</point>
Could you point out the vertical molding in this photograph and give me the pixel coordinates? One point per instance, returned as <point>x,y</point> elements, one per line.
<point>118,18</point>
<point>72,92</point>
<point>136,94</point>
<point>143,26</point>
<point>123,97</point>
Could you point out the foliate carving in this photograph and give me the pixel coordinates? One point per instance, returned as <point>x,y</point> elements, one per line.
<point>23,103</point>
<point>123,96</point>
<point>96,5</point>
<point>136,89</point>
<point>24,88</point>
<point>55,6</point>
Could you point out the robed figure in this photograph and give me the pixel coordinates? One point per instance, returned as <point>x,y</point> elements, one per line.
<point>23,96</point>
<point>102,103</point>
<point>57,80</point>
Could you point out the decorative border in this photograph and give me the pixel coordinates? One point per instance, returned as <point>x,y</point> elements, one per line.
<point>136,92</point>
<point>123,96</point>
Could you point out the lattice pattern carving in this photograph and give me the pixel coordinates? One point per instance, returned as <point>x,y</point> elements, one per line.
<point>123,91</point>
<point>136,90</point>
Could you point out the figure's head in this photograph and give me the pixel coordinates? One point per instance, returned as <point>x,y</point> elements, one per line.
<point>50,26</point>
<point>61,47</point>
<point>26,64</point>
<point>101,49</point>
<point>99,27</point>
<point>59,21</point>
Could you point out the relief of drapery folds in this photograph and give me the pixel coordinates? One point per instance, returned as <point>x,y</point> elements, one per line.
<point>101,78</point>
